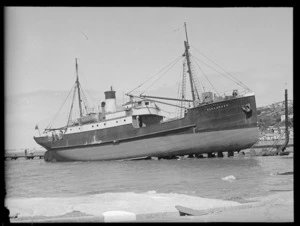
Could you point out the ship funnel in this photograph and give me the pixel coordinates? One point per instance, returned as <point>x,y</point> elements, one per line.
<point>103,109</point>
<point>110,99</point>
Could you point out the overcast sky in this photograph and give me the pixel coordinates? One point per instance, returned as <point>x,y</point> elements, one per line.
<point>123,47</point>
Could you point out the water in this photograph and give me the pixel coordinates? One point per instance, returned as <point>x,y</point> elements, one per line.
<point>255,176</point>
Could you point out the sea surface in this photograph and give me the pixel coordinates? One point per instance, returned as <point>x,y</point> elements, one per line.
<point>247,177</point>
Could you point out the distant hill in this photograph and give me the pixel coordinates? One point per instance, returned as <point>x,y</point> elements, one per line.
<point>270,115</point>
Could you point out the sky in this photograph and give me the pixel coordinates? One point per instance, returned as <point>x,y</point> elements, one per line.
<point>123,47</point>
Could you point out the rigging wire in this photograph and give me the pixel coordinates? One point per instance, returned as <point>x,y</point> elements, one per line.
<point>179,95</point>
<point>177,29</point>
<point>154,75</point>
<point>162,75</point>
<point>85,94</point>
<point>240,84</point>
<point>55,116</point>
<point>71,110</point>
<point>205,75</point>
<point>196,81</point>
<point>171,113</point>
<point>196,89</point>
<point>91,97</point>
<point>237,81</point>
<point>214,69</point>
<point>85,100</point>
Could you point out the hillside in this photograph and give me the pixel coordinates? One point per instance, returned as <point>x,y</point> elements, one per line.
<point>270,115</point>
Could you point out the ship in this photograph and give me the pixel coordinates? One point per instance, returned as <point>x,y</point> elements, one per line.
<point>207,124</point>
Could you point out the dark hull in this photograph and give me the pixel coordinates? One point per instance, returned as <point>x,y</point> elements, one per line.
<point>222,126</point>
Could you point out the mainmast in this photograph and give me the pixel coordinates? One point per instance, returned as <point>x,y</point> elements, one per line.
<point>187,55</point>
<point>78,89</point>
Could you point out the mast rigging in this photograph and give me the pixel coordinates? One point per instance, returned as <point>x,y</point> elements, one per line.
<point>187,55</point>
<point>78,89</point>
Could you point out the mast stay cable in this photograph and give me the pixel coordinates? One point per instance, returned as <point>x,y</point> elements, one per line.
<point>55,116</point>
<point>205,75</point>
<point>84,98</point>
<point>70,114</point>
<point>161,75</point>
<point>153,75</point>
<point>237,81</point>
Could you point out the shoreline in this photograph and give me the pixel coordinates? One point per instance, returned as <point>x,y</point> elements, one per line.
<point>277,207</point>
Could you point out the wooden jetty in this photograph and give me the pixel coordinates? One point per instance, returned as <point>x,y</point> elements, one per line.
<point>16,156</point>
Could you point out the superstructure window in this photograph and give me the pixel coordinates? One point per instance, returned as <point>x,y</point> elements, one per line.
<point>147,103</point>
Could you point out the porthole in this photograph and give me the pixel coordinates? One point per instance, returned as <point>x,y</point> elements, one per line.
<point>97,125</point>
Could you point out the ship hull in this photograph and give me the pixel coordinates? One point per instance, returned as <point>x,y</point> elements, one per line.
<point>173,145</point>
<point>217,127</point>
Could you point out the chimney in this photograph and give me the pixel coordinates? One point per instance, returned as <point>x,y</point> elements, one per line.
<point>110,100</point>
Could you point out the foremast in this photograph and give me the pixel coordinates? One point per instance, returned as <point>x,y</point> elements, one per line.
<point>77,86</point>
